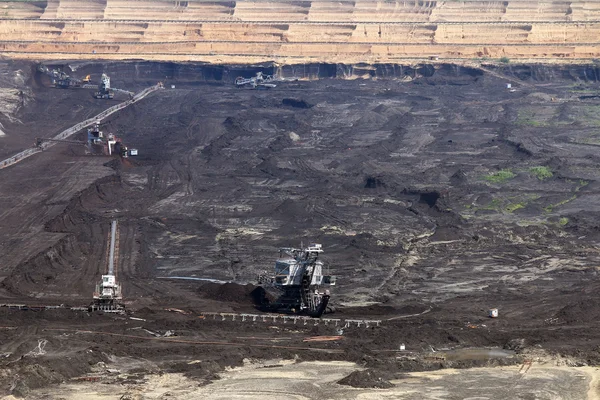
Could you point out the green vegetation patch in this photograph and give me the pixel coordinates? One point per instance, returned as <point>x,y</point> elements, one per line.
<point>541,172</point>
<point>503,205</point>
<point>512,207</point>
<point>493,205</point>
<point>560,203</point>
<point>582,183</point>
<point>501,176</point>
<point>563,221</point>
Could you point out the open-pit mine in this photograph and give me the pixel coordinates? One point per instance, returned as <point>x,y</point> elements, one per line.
<point>299,200</point>
<point>456,206</point>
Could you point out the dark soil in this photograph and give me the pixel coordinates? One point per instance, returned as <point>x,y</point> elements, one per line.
<point>367,379</point>
<point>435,200</point>
<point>229,292</point>
<point>297,103</point>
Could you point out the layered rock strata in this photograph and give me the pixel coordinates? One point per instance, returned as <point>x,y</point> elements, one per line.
<point>317,30</point>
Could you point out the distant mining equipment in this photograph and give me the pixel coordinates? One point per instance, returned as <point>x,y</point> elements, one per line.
<point>110,145</point>
<point>298,286</point>
<point>97,144</point>
<point>62,80</point>
<point>107,295</point>
<point>104,89</point>
<point>261,81</point>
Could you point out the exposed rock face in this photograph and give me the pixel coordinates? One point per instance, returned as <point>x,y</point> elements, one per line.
<point>317,30</point>
<point>147,72</point>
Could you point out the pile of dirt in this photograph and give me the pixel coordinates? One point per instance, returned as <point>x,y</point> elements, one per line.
<point>585,310</point>
<point>230,292</point>
<point>368,378</point>
<point>31,372</point>
<point>296,103</point>
<point>204,371</point>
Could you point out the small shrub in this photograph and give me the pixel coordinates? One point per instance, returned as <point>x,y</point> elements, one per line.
<point>514,207</point>
<point>563,221</point>
<point>504,60</point>
<point>541,172</point>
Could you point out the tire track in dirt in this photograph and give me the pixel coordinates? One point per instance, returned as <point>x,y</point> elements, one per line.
<point>196,342</point>
<point>189,131</point>
<point>404,261</point>
<point>305,167</point>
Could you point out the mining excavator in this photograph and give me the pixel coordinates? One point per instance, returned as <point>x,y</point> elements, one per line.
<point>298,285</point>
<point>261,81</point>
<point>104,89</point>
<point>107,295</point>
<point>58,78</point>
<point>61,79</point>
<point>96,144</point>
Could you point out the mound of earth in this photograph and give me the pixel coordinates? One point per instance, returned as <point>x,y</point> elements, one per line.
<point>205,371</point>
<point>230,292</point>
<point>368,378</point>
<point>33,371</point>
<point>586,310</point>
<point>297,103</point>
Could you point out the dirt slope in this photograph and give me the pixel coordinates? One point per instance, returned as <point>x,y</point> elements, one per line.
<point>304,31</point>
<point>436,197</point>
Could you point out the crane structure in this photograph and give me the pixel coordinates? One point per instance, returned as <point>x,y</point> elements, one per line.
<point>61,79</point>
<point>261,81</point>
<point>58,78</point>
<point>298,285</point>
<point>107,295</point>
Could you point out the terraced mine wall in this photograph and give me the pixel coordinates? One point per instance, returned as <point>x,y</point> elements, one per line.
<point>149,72</point>
<point>300,31</point>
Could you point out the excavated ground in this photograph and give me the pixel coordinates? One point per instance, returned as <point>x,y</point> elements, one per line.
<point>435,198</point>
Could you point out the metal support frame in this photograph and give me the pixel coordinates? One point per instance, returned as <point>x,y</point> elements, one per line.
<point>295,319</point>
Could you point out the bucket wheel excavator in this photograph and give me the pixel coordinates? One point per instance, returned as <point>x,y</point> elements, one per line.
<point>60,79</point>
<point>298,286</point>
<point>261,81</point>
